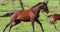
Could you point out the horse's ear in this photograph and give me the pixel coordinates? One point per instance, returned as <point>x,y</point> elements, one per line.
<point>46,1</point>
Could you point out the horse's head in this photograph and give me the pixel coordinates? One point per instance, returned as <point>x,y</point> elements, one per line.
<point>44,7</point>
<point>39,6</point>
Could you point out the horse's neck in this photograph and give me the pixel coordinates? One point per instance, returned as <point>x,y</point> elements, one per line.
<point>36,10</point>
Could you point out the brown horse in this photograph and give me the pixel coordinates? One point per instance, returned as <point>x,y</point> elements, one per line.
<point>29,15</point>
<point>54,17</point>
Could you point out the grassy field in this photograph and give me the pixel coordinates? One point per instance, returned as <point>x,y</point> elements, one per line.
<point>26,26</point>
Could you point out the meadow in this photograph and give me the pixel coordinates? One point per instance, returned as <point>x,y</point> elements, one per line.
<point>26,26</point>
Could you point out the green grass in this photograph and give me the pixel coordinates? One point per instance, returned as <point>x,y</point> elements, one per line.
<point>26,26</point>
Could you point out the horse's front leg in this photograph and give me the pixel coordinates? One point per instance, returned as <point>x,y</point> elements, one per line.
<point>55,26</point>
<point>32,21</point>
<point>40,24</point>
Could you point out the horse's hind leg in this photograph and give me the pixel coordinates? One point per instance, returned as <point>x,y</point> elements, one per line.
<point>14,23</point>
<point>10,28</point>
<point>7,26</point>
<point>40,25</point>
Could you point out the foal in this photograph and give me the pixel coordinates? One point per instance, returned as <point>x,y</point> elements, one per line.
<point>29,15</point>
<point>54,18</point>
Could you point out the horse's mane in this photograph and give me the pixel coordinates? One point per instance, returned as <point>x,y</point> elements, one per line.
<point>38,4</point>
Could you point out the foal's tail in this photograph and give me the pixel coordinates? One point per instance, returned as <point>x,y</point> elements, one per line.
<point>7,15</point>
<point>49,16</point>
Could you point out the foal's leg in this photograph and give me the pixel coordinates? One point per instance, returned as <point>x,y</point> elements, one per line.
<point>32,21</point>
<point>53,22</point>
<point>10,27</point>
<point>40,25</point>
<point>55,26</point>
<point>14,24</point>
<point>6,26</point>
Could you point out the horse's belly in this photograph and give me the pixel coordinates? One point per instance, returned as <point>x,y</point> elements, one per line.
<point>24,17</point>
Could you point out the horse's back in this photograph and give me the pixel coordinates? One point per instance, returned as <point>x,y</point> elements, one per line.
<point>25,15</point>
<point>22,15</point>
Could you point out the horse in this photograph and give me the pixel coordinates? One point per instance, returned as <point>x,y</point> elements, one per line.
<point>54,17</point>
<point>29,15</point>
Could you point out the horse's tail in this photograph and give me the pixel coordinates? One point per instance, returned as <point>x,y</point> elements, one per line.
<point>49,16</point>
<point>7,15</point>
<point>1,16</point>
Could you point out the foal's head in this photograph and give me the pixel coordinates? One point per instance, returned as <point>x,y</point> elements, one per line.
<point>39,6</point>
<point>44,7</point>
